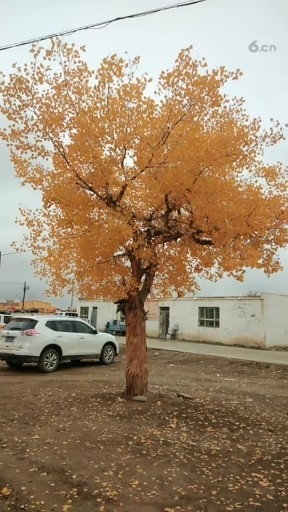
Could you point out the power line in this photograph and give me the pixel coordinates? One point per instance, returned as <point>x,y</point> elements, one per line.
<point>101,24</point>
<point>16,252</point>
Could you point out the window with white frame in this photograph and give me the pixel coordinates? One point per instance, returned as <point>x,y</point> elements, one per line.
<point>209,317</point>
<point>84,312</point>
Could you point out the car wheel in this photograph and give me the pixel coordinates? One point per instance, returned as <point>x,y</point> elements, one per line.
<point>107,355</point>
<point>13,364</point>
<point>114,333</point>
<point>49,360</point>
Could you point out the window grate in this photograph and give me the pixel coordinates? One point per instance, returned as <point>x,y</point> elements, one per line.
<point>84,312</point>
<point>209,317</point>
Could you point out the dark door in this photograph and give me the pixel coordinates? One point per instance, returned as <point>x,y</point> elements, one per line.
<point>163,322</point>
<point>94,317</point>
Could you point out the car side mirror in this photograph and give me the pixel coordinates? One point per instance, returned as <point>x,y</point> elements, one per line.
<point>96,332</point>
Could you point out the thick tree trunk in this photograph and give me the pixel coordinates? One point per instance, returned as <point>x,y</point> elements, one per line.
<point>136,348</point>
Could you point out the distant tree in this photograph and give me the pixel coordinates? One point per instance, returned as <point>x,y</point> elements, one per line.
<point>252,293</point>
<point>142,189</point>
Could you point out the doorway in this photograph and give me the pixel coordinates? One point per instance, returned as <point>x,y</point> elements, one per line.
<point>94,316</point>
<point>164,314</point>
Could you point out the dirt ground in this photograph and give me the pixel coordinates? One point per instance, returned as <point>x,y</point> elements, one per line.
<point>70,443</point>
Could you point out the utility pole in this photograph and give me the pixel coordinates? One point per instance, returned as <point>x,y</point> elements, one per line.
<point>72,298</point>
<point>24,293</point>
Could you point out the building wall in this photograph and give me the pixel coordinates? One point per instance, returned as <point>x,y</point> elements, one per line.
<point>44,307</point>
<point>105,311</point>
<point>241,320</point>
<point>275,314</point>
<point>260,321</point>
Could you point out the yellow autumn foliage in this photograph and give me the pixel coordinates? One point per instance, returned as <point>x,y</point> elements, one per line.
<point>141,190</point>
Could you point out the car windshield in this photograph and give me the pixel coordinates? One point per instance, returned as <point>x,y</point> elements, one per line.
<point>20,324</point>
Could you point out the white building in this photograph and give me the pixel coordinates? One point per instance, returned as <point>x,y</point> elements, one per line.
<point>256,321</point>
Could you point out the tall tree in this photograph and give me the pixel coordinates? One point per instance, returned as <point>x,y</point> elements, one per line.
<point>142,189</point>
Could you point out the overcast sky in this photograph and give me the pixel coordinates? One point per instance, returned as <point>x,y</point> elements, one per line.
<point>219,30</point>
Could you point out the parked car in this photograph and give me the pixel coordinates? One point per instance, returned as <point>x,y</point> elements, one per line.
<point>115,327</point>
<point>67,313</point>
<point>49,340</point>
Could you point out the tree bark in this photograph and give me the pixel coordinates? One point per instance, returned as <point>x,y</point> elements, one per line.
<point>136,348</point>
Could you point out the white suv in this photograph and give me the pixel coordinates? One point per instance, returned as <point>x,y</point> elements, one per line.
<point>48,340</point>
